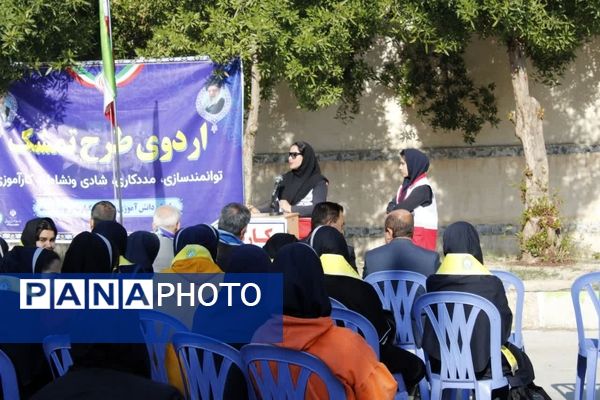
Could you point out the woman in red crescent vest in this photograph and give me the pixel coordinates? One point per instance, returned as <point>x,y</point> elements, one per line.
<point>415,195</point>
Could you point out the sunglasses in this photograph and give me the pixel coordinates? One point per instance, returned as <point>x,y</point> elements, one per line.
<point>294,155</point>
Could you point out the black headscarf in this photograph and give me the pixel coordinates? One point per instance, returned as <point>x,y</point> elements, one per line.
<point>89,253</point>
<point>3,248</point>
<point>21,260</point>
<point>277,241</point>
<point>298,182</point>
<point>114,232</point>
<point>202,234</point>
<point>142,249</point>
<point>462,237</point>
<point>249,259</point>
<point>30,232</point>
<point>304,294</point>
<point>417,164</point>
<point>328,240</point>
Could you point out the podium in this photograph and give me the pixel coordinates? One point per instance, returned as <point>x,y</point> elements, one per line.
<point>263,226</point>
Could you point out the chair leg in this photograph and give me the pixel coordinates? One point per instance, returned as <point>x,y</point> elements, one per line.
<point>590,374</point>
<point>424,389</point>
<point>580,378</point>
<point>436,390</point>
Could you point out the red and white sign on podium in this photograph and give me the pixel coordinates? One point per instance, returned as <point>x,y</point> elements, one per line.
<point>263,226</point>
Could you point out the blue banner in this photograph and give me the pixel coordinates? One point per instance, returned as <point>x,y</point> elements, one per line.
<point>180,143</point>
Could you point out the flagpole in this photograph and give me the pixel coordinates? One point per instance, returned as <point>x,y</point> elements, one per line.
<point>117,163</point>
<point>109,88</point>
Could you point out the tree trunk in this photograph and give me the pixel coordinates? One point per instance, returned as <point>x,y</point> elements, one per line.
<point>251,128</point>
<point>529,129</point>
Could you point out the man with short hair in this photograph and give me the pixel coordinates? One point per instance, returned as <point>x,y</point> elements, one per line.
<point>103,210</point>
<point>233,222</point>
<point>165,223</point>
<point>331,214</point>
<point>399,252</point>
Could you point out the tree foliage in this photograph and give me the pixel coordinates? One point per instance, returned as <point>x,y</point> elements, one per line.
<point>52,32</point>
<point>427,70</point>
<point>313,46</point>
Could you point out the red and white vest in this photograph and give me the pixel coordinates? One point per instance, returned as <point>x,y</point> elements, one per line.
<point>426,218</point>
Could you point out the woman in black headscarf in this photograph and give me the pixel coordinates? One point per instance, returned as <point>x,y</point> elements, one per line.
<point>344,284</point>
<point>249,259</point>
<point>463,271</point>
<point>90,253</point>
<point>277,241</point>
<point>39,232</point>
<point>303,186</point>
<point>415,195</point>
<point>30,260</point>
<point>142,249</point>
<point>307,326</point>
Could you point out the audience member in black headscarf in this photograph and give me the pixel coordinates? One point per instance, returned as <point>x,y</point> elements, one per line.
<point>142,249</point>
<point>90,253</point>
<point>39,232</point>
<point>359,296</point>
<point>277,241</point>
<point>30,260</point>
<point>307,326</point>
<point>463,271</point>
<point>249,259</point>
<point>117,235</point>
<point>332,248</point>
<point>28,359</point>
<point>195,249</point>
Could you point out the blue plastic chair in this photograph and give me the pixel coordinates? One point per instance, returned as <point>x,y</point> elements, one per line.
<point>57,349</point>
<point>158,329</point>
<point>397,291</point>
<point>511,280</point>
<point>8,377</point>
<point>261,360</point>
<point>337,304</point>
<point>204,376</point>
<point>361,325</point>
<point>452,316</point>
<point>589,347</point>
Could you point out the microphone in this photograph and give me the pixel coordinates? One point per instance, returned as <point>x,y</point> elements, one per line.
<point>274,201</point>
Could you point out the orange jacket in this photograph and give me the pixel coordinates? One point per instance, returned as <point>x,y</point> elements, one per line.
<point>346,353</point>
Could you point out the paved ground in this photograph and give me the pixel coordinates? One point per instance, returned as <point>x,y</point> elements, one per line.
<point>554,357</point>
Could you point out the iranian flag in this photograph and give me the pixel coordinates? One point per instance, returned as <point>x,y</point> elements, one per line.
<point>109,86</point>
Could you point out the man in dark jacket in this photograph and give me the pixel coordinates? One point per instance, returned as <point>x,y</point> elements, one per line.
<point>399,252</point>
<point>232,228</point>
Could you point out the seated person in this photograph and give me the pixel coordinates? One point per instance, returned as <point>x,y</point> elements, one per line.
<point>463,271</point>
<point>142,249</point>
<point>39,232</point>
<point>277,241</point>
<point>307,326</point>
<point>361,297</point>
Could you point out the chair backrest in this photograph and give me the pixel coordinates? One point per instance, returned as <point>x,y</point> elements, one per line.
<point>268,368</point>
<point>205,363</point>
<point>337,304</point>
<point>452,316</point>
<point>511,280</point>
<point>8,377</point>
<point>590,283</point>
<point>57,349</point>
<point>359,324</point>
<point>158,329</point>
<point>397,291</point>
